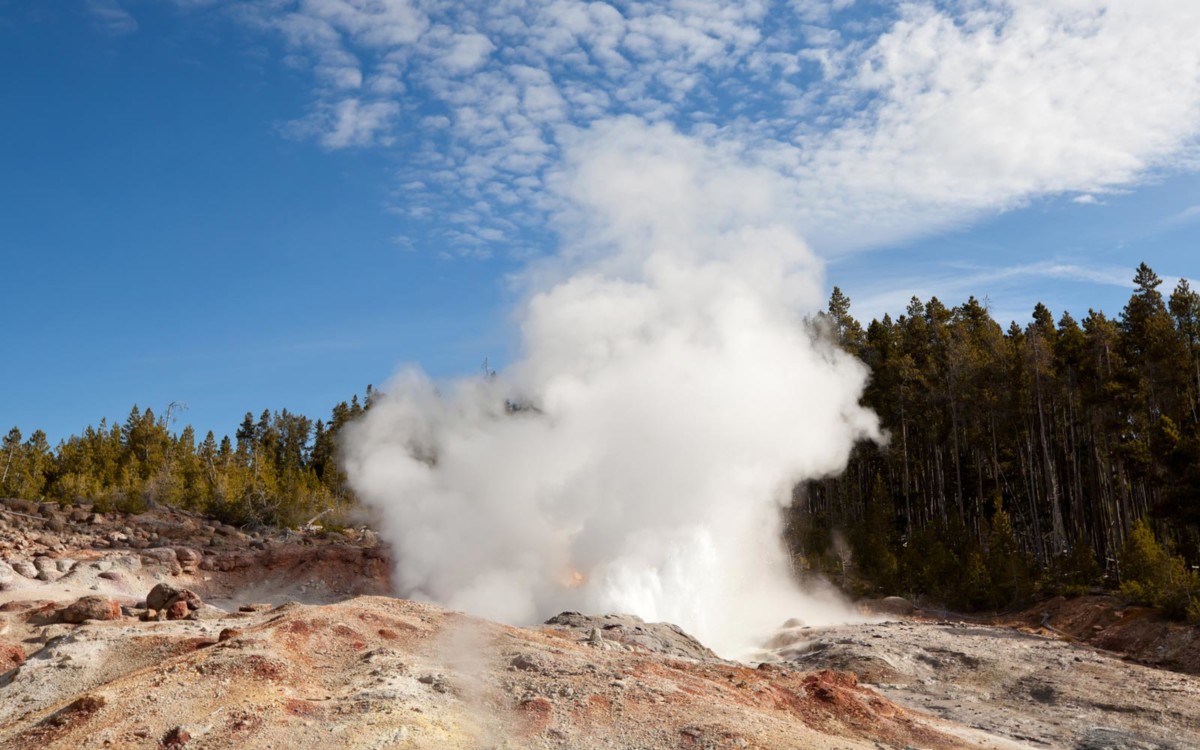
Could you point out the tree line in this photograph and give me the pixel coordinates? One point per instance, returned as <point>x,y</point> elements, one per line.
<point>279,469</point>
<point>1046,457</point>
<point>1049,457</point>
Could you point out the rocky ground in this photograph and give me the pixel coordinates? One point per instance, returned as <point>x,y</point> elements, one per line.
<point>81,551</point>
<point>1006,682</point>
<point>168,630</point>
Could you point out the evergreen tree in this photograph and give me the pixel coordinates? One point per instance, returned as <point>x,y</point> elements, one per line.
<point>846,329</point>
<point>1081,427</point>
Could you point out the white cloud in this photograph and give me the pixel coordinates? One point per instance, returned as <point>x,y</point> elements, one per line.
<point>358,124</point>
<point>109,16</point>
<point>818,11</point>
<point>927,116</point>
<point>1186,216</point>
<point>981,111</point>
<point>348,123</point>
<point>373,23</point>
<point>1107,275</point>
<point>340,76</point>
<point>1087,199</point>
<point>466,52</point>
<point>891,293</point>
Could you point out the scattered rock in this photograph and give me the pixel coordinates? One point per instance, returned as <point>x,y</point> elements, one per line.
<point>175,739</point>
<point>630,631</point>
<point>25,568</point>
<point>164,555</point>
<point>160,595</point>
<point>127,562</point>
<point>528,663</point>
<point>78,710</point>
<point>91,608</point>
<point>164,596</point>
<point>435,681</point>
<point>11,656</point>
<point>189,559</point>
<point>47,569</point>
<point>595,637</point>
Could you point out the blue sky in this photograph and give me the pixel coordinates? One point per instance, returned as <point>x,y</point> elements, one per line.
<point>270,204</point>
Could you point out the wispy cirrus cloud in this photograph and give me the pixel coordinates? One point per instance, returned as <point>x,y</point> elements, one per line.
<point>110,17</point>
<point>1186,216</point>
<point>954,282</point>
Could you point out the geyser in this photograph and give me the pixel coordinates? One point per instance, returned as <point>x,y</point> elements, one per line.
<point>669,396</point>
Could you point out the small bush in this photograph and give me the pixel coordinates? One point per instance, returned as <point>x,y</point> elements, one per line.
<point>1075,573</point>
<point>1151,575</point>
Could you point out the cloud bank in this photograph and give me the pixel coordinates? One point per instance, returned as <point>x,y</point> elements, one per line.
<point>886,121</point>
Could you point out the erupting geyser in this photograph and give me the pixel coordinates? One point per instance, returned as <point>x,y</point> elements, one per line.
<point>674,399</point>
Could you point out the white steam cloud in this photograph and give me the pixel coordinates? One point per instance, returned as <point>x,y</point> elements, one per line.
<point>672,396</point>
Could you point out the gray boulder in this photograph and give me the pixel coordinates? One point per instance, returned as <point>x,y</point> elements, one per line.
<point>25,568</point>
<point>633,633</point>
<point>47,569</point>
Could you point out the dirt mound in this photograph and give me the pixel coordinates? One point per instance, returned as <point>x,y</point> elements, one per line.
<point>1139,633</point>
<point>381,672</point>
<point>631,632</point>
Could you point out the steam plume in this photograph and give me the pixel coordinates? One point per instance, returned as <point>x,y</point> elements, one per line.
<point>671,399</point>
